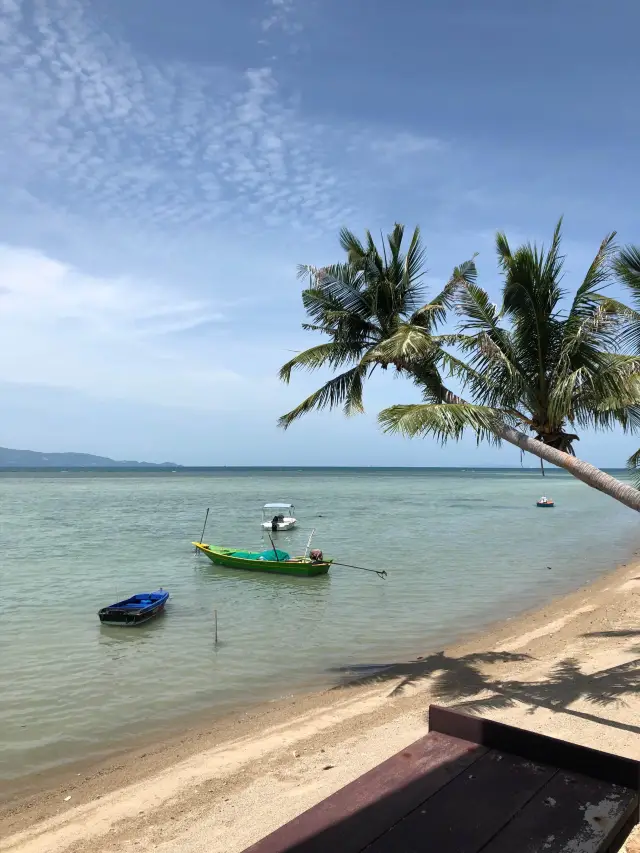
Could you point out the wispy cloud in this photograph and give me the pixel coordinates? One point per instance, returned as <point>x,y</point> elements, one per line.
<point>105,131</point>
<point>114,337</point>
<point>130,158</point>
<point>281,14</point>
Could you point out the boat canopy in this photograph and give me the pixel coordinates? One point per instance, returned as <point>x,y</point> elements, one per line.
<point>278,506</point>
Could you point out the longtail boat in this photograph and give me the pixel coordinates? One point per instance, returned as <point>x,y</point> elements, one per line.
<point>272,561</point>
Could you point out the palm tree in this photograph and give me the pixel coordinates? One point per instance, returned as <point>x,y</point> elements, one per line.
<point>371,299</point>
<point>526,365</point>
<point>627,268</point>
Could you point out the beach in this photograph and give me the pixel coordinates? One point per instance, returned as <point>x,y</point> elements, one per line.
<point>569,669</point>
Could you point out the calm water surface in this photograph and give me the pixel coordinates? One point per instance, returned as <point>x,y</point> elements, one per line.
<point>461,548</point>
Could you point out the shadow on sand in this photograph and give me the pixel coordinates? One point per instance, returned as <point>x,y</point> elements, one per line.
<point>459,681</point>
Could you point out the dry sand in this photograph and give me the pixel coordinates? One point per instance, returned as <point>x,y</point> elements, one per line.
<point>570,669</point>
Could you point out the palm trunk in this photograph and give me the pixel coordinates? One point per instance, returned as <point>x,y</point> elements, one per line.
<point>589,474</point>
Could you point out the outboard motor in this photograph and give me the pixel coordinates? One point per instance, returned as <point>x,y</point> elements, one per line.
<point>316,555</point>
<point>274,524</point>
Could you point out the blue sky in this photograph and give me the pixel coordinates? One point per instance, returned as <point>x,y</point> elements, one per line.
<point>166,165</point>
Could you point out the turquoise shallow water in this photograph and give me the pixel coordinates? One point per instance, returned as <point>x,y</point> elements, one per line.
<point>462,548</point>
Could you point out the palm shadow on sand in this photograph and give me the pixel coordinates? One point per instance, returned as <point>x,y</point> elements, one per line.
<point>459,682</point>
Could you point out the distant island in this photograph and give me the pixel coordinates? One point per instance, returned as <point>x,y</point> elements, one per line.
<point>10,458</point>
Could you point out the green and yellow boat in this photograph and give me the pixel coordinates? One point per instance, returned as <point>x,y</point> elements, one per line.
<point>273,561</point>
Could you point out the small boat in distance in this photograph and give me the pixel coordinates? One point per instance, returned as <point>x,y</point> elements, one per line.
<point>545,502</point>
<point>278,517</point>
<point>135,610</point>
<point>273,561</point>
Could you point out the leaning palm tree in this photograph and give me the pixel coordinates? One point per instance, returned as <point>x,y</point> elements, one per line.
<point>528,366</point>
<point>627,268</point>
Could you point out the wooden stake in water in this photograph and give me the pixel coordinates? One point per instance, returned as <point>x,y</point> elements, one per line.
<point>215,626</point>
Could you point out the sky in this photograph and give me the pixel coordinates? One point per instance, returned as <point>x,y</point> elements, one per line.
<point>166,165</point>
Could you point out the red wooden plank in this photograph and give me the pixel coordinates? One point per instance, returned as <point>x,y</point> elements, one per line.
<point>536,747</point>
<point>359,813</point>
<point>572,813</point>
<point>463,816</point>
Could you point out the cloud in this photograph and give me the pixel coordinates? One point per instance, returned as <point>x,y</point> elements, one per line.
<point>107,133</point>
<point>132,186</point>
<point>112,337</point>
<point>281,14</point>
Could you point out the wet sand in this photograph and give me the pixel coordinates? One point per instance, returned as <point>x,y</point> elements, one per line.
<point>570,669</point>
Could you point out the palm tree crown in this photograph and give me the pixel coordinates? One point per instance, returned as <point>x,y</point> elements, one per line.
<point>531,363</point>
<point>375,297</point>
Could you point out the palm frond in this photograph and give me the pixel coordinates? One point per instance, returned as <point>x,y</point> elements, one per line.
<point>444,422</point>
<point>492,348</point>
<point>593,321</point>
<point>598,274</point>
<point>553,262</point>
<point>608,418</point>
<point>345,290</point>
<point>409,346</point>
<point>478,312</point>
<point>411,271</point>
<point>352,245</point>
<point>604,396</point>
<point>633,465</point>
<point>503,251</point>
<point>435,312</point>
<point>532,276</point>
<point>328,354</point>
<point>627,267</point>
<point>415,258</point>
<point>494,379</point>
<point>343,390</point>
<point>344,272</point>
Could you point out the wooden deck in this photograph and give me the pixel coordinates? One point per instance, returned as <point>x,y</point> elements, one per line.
<point>475,785</point>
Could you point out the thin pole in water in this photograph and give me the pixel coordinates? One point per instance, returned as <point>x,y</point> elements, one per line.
<point>204,527</point>
<point>215,626</point>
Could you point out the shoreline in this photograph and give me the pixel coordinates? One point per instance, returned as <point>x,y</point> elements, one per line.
<point>177,728</point>
<point>174,789</point>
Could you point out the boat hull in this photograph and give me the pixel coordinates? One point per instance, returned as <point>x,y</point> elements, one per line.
<point>124,614</point>
<point>282,525</point>
<point>293,568</point>
<point>545,506</point>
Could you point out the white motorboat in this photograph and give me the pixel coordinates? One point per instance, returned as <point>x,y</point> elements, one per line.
<point>278,517</point>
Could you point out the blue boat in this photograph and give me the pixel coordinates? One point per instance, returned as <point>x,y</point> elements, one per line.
<point>135,610</point>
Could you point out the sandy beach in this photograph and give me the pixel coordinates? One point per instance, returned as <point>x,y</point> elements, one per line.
<point>570,669</point>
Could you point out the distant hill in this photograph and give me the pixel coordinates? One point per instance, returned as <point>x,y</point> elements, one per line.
<point>10,458</point>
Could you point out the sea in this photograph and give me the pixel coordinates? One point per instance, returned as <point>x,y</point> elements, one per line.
<point>461,548</point>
